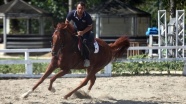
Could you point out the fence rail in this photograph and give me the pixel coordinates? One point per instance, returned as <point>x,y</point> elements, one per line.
<point>29,64</point>
<point>107,70</point>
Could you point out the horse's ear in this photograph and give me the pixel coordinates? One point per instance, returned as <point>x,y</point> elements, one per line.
<point>54,25</point>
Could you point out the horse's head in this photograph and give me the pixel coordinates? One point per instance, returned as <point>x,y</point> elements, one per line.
<point>61,36</point>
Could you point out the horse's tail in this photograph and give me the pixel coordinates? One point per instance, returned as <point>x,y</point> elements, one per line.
<point>120,46</point>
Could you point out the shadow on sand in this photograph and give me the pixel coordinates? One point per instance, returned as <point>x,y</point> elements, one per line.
<point>83,98</point>
<point>121,102</point>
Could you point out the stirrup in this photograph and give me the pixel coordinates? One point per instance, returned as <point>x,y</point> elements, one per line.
<point>86,63</point>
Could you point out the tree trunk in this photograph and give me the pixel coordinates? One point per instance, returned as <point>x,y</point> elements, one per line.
<point>70,5</point>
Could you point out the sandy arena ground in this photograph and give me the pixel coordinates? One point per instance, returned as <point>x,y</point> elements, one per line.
<point>117,90</point>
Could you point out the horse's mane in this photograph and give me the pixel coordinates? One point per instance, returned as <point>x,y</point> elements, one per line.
<point>67,26</point>
<point>71,27</point>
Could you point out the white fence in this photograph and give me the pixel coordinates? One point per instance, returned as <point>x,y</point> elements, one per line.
<point>29,64</point>
<point>107,70</point>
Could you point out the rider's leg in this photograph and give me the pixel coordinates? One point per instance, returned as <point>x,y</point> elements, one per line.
<point>86,53</point>
<point>88,40</point>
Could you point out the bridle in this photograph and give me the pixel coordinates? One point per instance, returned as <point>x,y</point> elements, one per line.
<point>62,44</point>
<point>62,32</point>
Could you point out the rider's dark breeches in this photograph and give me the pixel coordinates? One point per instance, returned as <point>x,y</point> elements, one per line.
<point>86,51</point>
<point>88,39</point>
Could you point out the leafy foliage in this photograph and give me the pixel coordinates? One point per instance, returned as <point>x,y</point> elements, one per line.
<point>58,8</point>
<point>119,68</point>
<point>12,69</point>
<point>144,67</point>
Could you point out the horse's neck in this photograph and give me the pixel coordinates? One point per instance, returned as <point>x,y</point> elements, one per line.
<point>75,40</point>
<point>72,41</point>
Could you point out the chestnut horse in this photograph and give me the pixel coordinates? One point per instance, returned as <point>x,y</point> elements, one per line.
<point>66,56</point>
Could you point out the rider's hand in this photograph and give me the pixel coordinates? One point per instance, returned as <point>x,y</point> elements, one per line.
<point>80,33</point>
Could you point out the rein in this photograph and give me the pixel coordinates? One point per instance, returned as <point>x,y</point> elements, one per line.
<point>61,37</point>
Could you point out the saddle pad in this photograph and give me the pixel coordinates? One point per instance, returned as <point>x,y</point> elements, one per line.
<point>96,46</point>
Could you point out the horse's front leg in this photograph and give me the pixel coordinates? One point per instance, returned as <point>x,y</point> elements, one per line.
<point>49,70</point>
<point>59,74</point>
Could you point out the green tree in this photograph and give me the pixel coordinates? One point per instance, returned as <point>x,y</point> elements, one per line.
<point>58,8</point>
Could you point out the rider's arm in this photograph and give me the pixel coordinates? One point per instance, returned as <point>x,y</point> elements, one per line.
<point>66,21</point>
<point>69,17</point>
<point>89,27</point>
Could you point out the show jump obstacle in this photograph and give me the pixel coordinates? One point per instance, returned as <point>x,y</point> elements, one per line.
<point>171,34</point>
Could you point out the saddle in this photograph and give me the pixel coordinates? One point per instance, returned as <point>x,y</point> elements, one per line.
<point>84,46</point>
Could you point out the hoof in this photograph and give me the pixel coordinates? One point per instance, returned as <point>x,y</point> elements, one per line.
<point>88,91</point>
<point>53,89</point>
<point>25,95</point>
<point>65,97</point>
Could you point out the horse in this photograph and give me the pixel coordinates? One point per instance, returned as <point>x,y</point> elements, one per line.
<point>67,56</point>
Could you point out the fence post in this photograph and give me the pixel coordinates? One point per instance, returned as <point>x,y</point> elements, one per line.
<point>184,69</point>
<point>28,64</point>
<point>108,69</point>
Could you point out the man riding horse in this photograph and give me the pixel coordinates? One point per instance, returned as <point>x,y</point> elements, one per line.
<point>83,25</point>
<point>66,56</point>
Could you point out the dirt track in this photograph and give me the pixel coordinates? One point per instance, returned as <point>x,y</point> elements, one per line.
<point>118,90</point>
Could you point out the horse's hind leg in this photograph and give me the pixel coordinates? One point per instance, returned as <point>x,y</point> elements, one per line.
<point>59,74</point>
<point>92,81</point>
<point>83,83</point>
